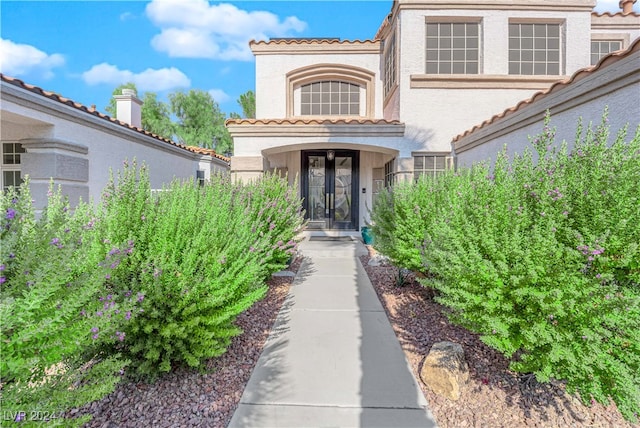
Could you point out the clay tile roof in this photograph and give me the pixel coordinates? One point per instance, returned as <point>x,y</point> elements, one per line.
<point>311,41</point>
<point>620,14</point>
<point>604,62</point>
<point>92,111</point>
<point>313,121</point>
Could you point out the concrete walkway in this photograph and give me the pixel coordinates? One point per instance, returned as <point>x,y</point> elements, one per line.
<point>332,359</point>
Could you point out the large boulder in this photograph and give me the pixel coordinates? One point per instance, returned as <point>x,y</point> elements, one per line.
<point>445,370</point>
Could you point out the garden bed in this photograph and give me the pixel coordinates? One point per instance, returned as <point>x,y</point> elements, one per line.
<point>495,396</point>
<point>188,397</point>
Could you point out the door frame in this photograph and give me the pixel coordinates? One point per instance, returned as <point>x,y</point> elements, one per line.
<point>330,181</point>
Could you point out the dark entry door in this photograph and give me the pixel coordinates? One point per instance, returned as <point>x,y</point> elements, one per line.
<point>330,188</point>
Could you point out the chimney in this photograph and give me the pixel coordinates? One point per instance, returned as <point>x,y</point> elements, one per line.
<point>626,6</point>
<point>128,108</point>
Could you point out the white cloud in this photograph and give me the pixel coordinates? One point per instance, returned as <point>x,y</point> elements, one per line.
<point>126,16</point>
<point>197,29</point>
<point>147,80</point>
<point>611,6</point>
<point>219,95</point>
<point>18,59</point>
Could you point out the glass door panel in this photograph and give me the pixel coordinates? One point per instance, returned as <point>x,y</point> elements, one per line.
<point>329,188</point>
<point>343,175</point>
<point>317,192</point>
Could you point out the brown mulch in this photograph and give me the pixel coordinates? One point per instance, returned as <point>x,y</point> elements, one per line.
<point>189,397</point>
<point>495,396</point>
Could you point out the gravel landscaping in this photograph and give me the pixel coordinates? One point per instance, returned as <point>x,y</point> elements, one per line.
<point>495,396</point>
<point>189,397</point>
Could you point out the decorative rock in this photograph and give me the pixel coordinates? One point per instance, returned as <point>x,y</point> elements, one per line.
<point>445,370</point>
<point>378,260</point>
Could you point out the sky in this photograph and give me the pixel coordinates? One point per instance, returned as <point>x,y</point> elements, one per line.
<point>82,50</point>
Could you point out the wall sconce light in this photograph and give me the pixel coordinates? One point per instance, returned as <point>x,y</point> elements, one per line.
<point>331,155</point>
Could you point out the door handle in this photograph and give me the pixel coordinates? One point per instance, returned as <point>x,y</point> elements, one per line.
<point>332,199</point>
<point>327,198</point>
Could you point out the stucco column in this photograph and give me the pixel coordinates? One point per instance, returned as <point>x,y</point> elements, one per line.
<point>64,162</point>
<point>247,168</point>
<point>404,169</point>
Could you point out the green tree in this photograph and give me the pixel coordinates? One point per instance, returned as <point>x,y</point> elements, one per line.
<point>156,116</point>
<point>111,107</point>
<point>248,103</point>
<point>200,122</point>
<point>192,118</point>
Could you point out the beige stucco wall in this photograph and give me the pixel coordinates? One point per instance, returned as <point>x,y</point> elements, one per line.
<point>439,113</point>
<point>616,87</point>
<point>73,140</point>
<point>271,80</point>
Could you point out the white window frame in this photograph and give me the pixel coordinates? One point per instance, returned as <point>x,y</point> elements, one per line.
<point>10,167</point>
<point>529,65</point>
<point>597,56</point>
<point>324,98</point>
<point>390,65</point>
<point>390,173</point>
<point>450,57</point>
<point>430,165</point>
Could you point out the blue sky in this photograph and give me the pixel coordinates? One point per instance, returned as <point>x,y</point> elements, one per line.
<point>84,49</point>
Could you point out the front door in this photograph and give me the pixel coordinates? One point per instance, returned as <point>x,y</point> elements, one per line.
<point>330,188</point>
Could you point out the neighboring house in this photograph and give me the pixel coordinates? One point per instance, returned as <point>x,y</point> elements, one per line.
<point>350,117</point>
<point>46,136</point>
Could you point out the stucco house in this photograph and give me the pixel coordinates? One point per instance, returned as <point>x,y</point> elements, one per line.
<point>47,136</point>
<point>350,117</point>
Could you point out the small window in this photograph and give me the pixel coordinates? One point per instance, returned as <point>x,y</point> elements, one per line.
<point>389,173</point>
<point>330,98</point>
<point>200,177</point>
<point>453,48</point>
<point>430,165</point>
<point>390,65</point>
<point>11,154</point>
<point>601,48</point>
<point>534,49</point>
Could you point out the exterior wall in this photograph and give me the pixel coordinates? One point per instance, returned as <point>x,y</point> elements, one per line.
<point>616,87</point>
<point>616,27</point>
<point>271,77</point>
<point>437,107</point>
<point>77,149</point>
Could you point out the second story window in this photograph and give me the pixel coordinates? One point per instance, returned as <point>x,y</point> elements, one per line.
<point>330,98</point>
<point>453,47</point>
<point>534,49</point>
<point>600,48</point>
<point>390,65</point>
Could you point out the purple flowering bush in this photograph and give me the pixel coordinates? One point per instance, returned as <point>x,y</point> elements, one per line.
<point>541,258</point>
<point>57,312</point>
<point>201,257</point>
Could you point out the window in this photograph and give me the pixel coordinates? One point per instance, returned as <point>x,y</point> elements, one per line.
<point>453,47</point>
<point>330,98</point>
<point>429,165</point>
<point>11,154</point>
<point>200,177</point>
<point>534,49</point>
<point>389,173</point>
<point>600,48</point>
<point>390,65</point>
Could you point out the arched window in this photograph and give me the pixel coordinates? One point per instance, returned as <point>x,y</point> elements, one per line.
<point>330,90</point>
<point>330,98</point>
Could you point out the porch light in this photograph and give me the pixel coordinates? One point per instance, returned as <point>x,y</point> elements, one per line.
<point>330,155</point>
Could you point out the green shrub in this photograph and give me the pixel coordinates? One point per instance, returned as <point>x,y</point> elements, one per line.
<point>202,254</point>
<point>57,313</point>
<point>541,258</point>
